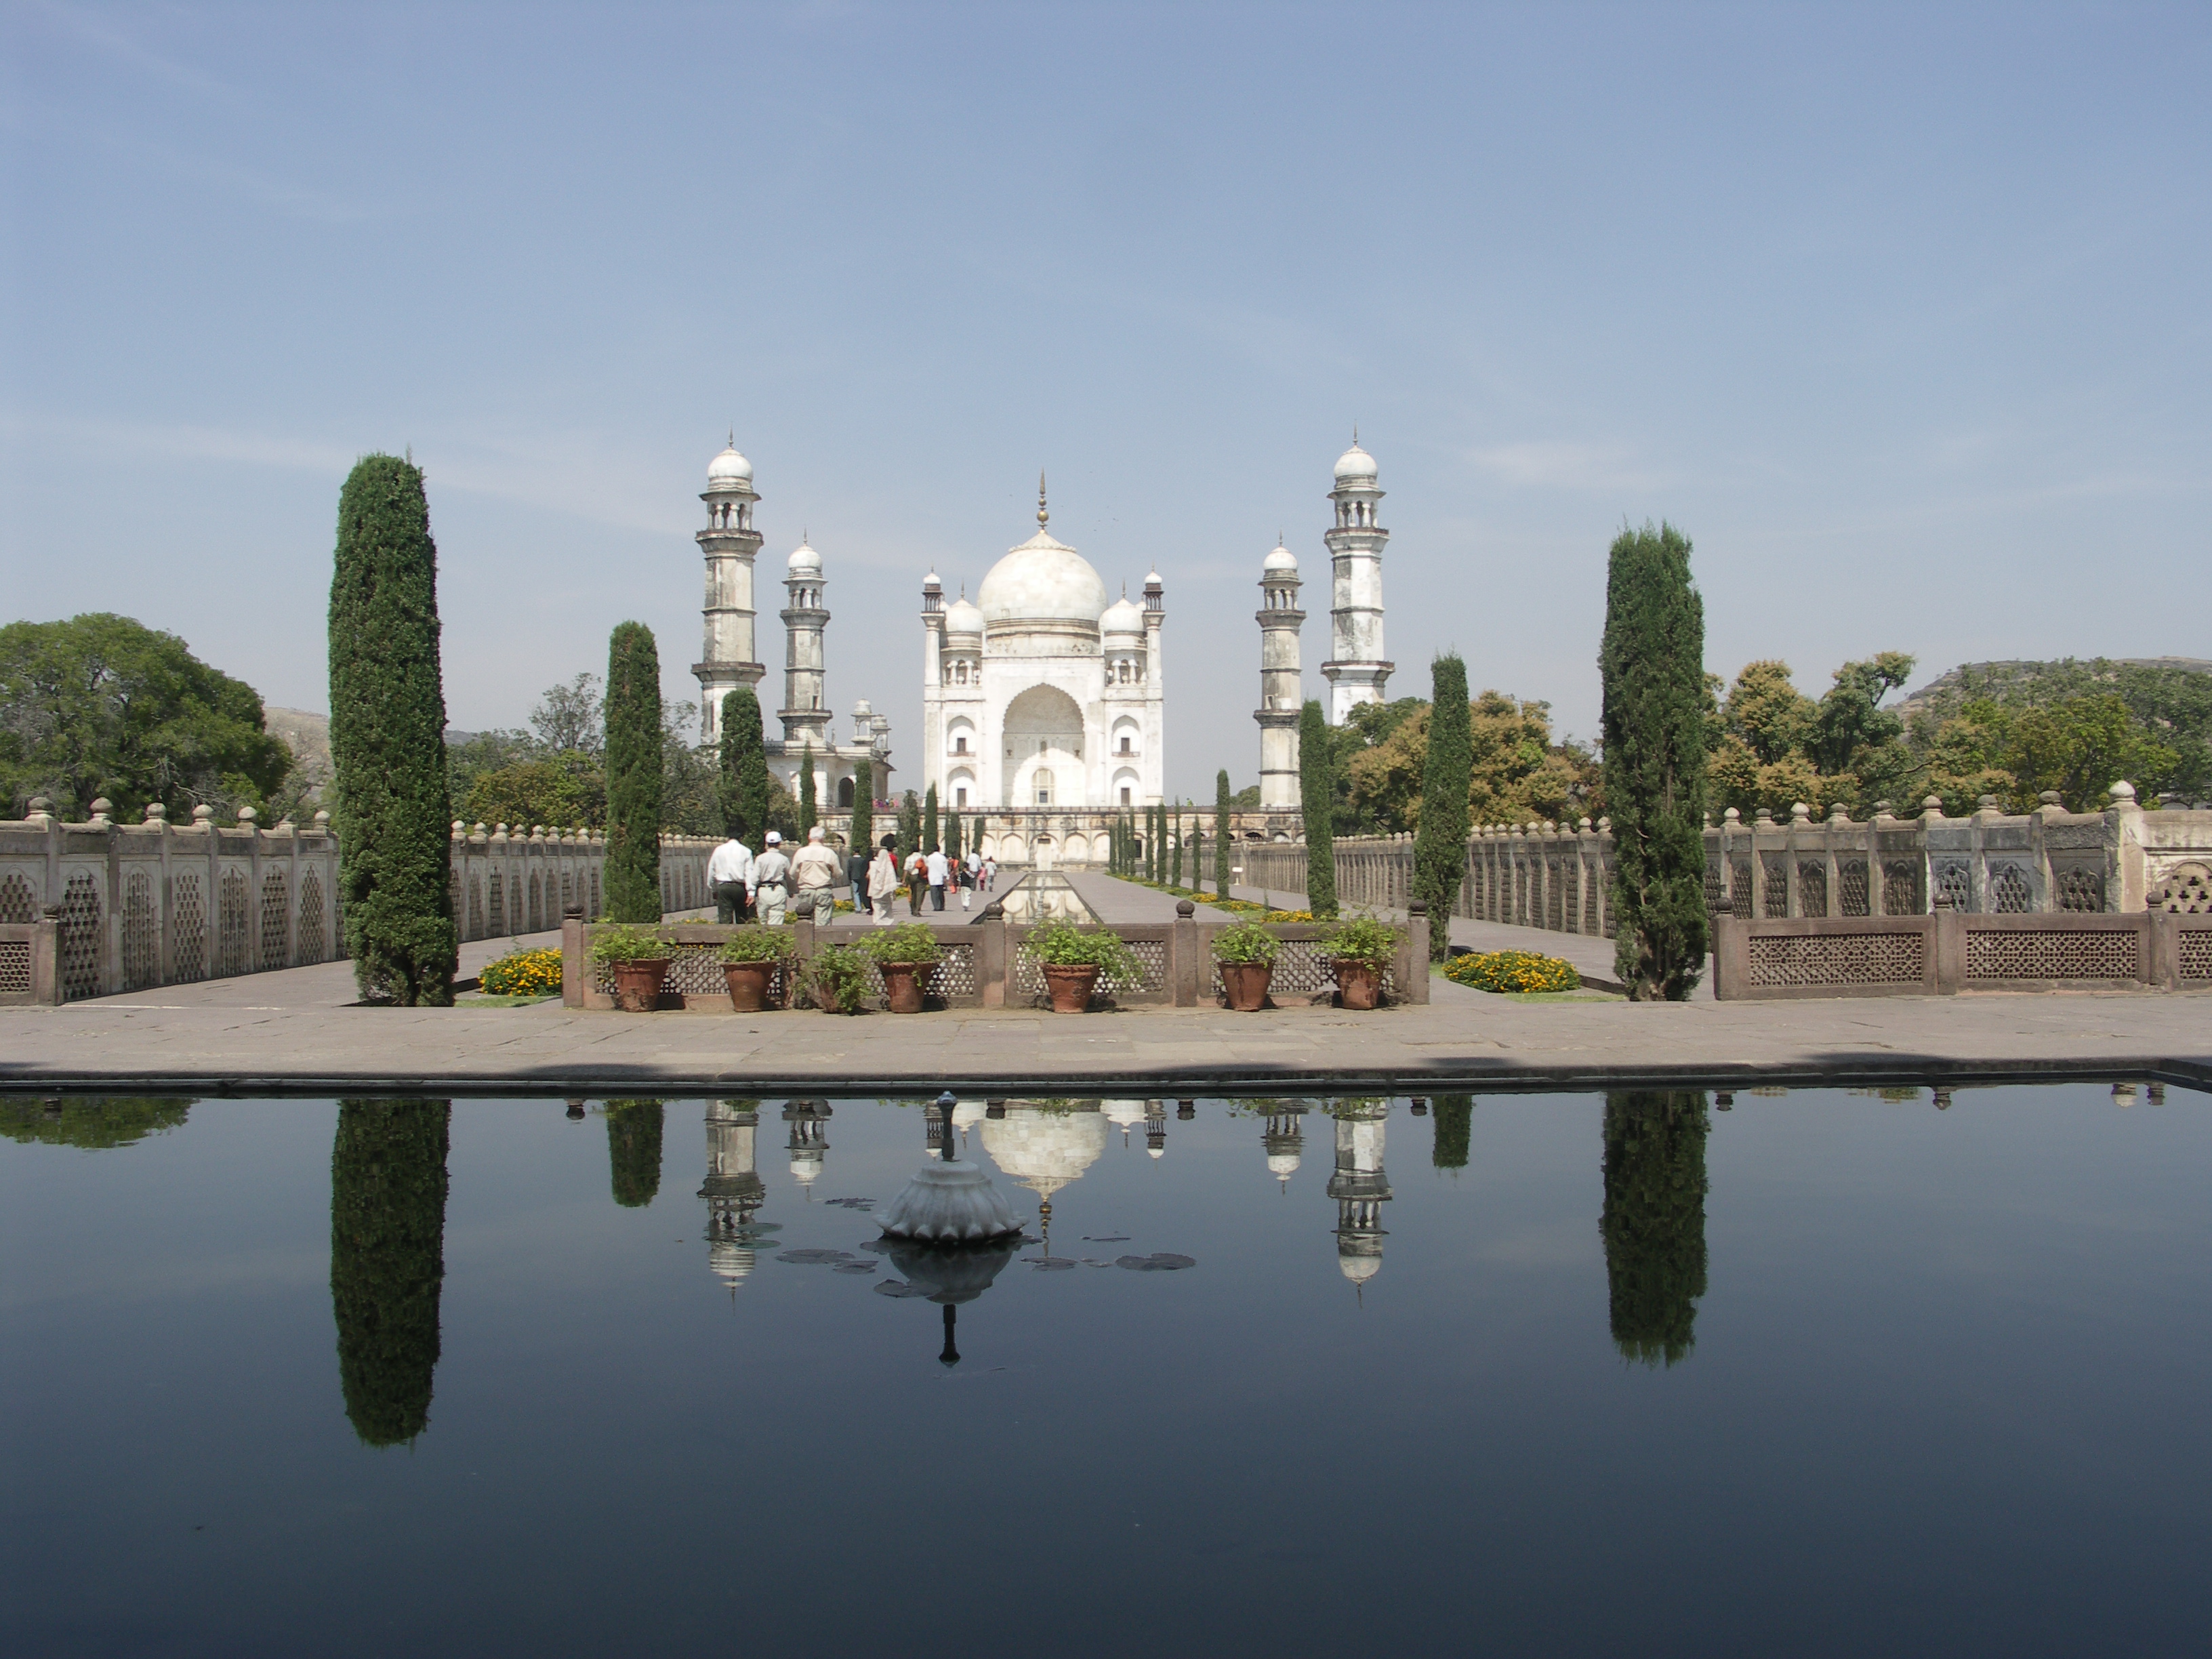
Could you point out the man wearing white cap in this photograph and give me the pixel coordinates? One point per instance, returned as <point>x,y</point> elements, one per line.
<point>771,882</point>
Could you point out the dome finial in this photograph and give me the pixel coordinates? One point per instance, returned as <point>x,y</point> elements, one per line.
<point>1043,516</point>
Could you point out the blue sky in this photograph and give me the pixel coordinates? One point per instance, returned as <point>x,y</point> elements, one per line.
<point>1899,312</point>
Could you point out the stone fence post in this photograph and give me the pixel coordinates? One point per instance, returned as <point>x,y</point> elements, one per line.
<point>1182,955</point>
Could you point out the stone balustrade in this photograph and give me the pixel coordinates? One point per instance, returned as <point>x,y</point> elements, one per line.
<point>2049,861</point>
<point>93,909</point>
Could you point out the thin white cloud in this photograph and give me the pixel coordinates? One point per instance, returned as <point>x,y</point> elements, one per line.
<point>1534,465</point>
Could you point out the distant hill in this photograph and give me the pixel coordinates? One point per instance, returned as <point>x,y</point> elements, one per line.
<point>307,735</point>
<point>1945,691</point>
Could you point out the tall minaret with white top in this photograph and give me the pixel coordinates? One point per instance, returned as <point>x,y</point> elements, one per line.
<point>805,717</point>
<point>1281,693</point>
<point>730,543</point>
<point>1356,671</point>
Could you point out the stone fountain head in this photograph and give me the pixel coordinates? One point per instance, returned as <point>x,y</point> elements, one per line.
<point>949,1201</point>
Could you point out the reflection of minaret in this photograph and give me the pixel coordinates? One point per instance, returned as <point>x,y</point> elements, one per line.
<point>809,1140</point>
<point>1285,1140</point>
<point>734,1192</point>
<point>1156,1129</point>
<point>1359,1186</point>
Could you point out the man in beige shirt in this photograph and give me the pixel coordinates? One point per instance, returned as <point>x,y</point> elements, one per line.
<point>816,870</point>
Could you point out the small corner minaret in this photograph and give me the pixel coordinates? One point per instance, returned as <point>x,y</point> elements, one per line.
<point>1281,694</point>
<point>1360,1188</point>
<point>1356,670</point>
<point>730,543</point>
<point>805,717</point>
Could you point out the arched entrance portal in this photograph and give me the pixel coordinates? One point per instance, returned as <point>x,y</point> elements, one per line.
<point>1044,742</point>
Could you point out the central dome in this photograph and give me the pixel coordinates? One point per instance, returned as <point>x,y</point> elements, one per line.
<point>1043,581</point>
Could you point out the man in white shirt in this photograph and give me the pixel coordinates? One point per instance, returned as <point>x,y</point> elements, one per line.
<point>729,872</point>
<point>817,870</point>
<point>771,882</point>
<point>938,869</point>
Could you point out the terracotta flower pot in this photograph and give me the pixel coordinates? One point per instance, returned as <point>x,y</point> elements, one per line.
<point>905,984</point>
<point>1246,982</point>
<point>637,984</point>
<point>1071,985</point>
<point>1359,984</point>
<point>749,983</point>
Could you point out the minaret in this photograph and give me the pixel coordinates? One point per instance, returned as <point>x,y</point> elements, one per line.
<point>734,1192</point>
<point>1283,1141</point>
<point>729,541</point>
<point>1154,769</point>
<point>1360,1188</point>
<point>805,717</point>
<point>1356,670</point>
<point>809,1140</point>
<point>1281,693</point>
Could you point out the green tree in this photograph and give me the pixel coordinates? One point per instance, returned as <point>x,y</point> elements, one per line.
<point>634,1151</point>
<point>90,1124</point>
<point>745,785</point>
<point>1440,847</point>
<point>1652,666</point>
<point>909,826</point>
<point>388,1260</point>
<point>1317,795</point>
<point>633,774</point>
<point>1516,772</point>
<point>863,806</point>
<point>1454,1119</point>
<point>387,740</point>
<point>809,809</point>
<point>99,706</point>
<point>929,836</point>
<point>1221,833</point>
<point>571,717</point>
<point>952,836</point>
<point>1175,853</point>
<point>565,790</point>
<point>690,775</point>
<point>1654,1221</point>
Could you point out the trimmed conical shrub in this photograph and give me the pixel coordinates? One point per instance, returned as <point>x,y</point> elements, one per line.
<point>388,739</point>
<point>634,1129</point>
<point>633,774</point>
<point>1654,1221</point>
<point>1315,797</point>
<point>1440,845</point>
<point>1652,665</point>
<point>743,786</point>
<point>863,804</point>
<point>1221,833</point>
<point>929,829</point>
<point>810,813</point>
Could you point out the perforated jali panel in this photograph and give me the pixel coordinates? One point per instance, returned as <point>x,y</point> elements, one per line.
<point>1740,889</point>
<point>2011,893</point>
<point>498,922</point>
<point>1900,889</point>
<point>1151,956</point>
<point>2081,891</point>
<point>954,975</point>
<point>1866,959</point>
<point>275,911</point>
<point>80,940</point>
<point>1851,888</point>
<point>231,940</point>
<point>696,970</point>
<point>312,946</point>
<point>188,930</point>
<point>2193,953</point>
<point>15,967</point>
<point>1954,882</point>
<point>141,939</point>
<point>1776,872</point>
<point>1812,888</point>
<point>16,903</point>
<point>1301,969</point>
<point>476,923</point>
<point>2052,955</point>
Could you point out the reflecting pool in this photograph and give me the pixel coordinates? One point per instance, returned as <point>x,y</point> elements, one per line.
<point>1805,1371</point>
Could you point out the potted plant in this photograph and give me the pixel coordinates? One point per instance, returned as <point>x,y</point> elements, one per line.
<point>1074,959</point>
<point>639,958</point>
<point>1246,952</point>
<point>751,958</point>
<point>906,955</point>
<point>837,977</point>
<point>1359,948</point>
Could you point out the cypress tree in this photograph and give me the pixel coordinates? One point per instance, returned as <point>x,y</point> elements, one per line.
<point>1155,865</point>
<point>952,836</point>
<point>742,789</point>
<point>929,837</point>
<point>1440,843</point>
<point>1654,1221</point>
<point>809,813</point>
<point>1315,797</point>
<point>1221,833</point>
<point>634,1151</point>
<point>909,828</point>
<point>1652,665</point>
<point>1454,1119</point>
<point>863,806</point>
<point>388,740</point>
<point>388,1260</point>
<point>632,886</point>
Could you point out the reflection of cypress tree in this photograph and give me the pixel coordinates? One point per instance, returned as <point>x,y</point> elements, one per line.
<point>634,1150</point>
<point>1454,1128</point>
<point>1654,1224</point>
<point>388,1260</point>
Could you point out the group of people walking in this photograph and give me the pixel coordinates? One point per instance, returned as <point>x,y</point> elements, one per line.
<point>768,886</point>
